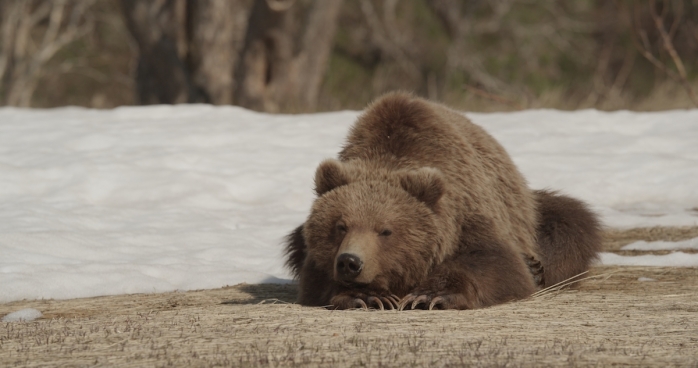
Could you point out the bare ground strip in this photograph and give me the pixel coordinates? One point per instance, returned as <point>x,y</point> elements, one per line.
<point>628,316</point>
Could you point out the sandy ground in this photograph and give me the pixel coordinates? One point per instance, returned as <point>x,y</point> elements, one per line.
<point>612,318</point>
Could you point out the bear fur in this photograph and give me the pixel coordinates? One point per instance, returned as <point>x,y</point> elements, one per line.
<point>424,209</point>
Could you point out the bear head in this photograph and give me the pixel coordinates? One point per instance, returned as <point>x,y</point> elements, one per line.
<point>372,232</point>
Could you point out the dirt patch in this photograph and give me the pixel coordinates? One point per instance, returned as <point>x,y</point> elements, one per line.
<point>640,316</point>
<point>135,304</point>
<point>653,252</point>
<point>615,239</point>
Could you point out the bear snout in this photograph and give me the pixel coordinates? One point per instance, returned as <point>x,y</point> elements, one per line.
<point>349,266</point>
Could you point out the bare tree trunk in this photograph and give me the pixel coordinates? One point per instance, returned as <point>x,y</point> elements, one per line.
<point>216,31</point>
<point>158,28</point>
<point>282,63</point>
<point>458,18</point>
<point>194,51</point>
<point>188,48</point>
<point>316,47</point>
<point>387,37</point>
<point>32,32</point>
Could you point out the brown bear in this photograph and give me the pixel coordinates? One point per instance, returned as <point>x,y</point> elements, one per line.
<point>424,209</point>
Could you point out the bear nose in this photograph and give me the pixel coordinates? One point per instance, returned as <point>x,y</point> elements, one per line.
<point>349,266</point>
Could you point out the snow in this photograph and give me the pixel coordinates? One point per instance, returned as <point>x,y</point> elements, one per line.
<point>22,315</point>
<point>636,169</point>
<point>675,259</point>
<point>161,198</point>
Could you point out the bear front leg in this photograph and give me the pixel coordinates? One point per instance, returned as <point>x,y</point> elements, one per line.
<point>480,275</point>
<point>316,288</point>
<point>350,299</point>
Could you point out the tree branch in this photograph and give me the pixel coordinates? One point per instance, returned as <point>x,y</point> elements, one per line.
<point>22,60</point>
<point>382,38</point>
<point>666,40</point>
<point>680,77</point>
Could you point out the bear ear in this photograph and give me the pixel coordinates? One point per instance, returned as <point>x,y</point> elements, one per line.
<point>329,175</point>
<point>425,184</point>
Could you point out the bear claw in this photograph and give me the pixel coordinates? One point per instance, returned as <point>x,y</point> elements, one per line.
<point>416,300</point>
<point>359,303</point>
<point>376,301</point>
<point>420,299</point>
<point>394,300</point>
<point>390,302</point>
<point>436,301</point>
<point>404,301</point>
<point>364,301</point>
<point>411,298</point>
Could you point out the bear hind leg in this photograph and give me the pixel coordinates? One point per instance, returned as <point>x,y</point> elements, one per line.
<point>569,236</point>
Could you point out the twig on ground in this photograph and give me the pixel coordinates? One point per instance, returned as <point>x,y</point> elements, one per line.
<point>564,283</point>
<point>274,301</point>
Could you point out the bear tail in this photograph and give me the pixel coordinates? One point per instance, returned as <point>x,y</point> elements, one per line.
<point>295,250</point>
<point>569,236</point>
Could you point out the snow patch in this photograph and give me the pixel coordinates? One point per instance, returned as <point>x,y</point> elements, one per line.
<point>160,198</point>
<point>675,259</point>
<point>662,245</point>
<point>646,279</point>
<point>22,315</point>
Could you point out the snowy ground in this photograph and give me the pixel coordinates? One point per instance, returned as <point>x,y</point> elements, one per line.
<point>149,199</point>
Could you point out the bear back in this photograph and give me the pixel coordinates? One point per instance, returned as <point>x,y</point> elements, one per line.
<point>401,132</point>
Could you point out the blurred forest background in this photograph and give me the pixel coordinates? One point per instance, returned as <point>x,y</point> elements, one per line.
<point>319,55</point>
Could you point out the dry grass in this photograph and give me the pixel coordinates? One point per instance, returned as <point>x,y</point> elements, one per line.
<point>616,239</point>
<point>610,319</point>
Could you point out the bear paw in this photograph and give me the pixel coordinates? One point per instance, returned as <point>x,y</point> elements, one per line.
<point>365,301</point>
<point>432,301</point>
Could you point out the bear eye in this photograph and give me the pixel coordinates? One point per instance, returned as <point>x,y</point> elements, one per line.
<point>385,232</point>
<point>341,228</point>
